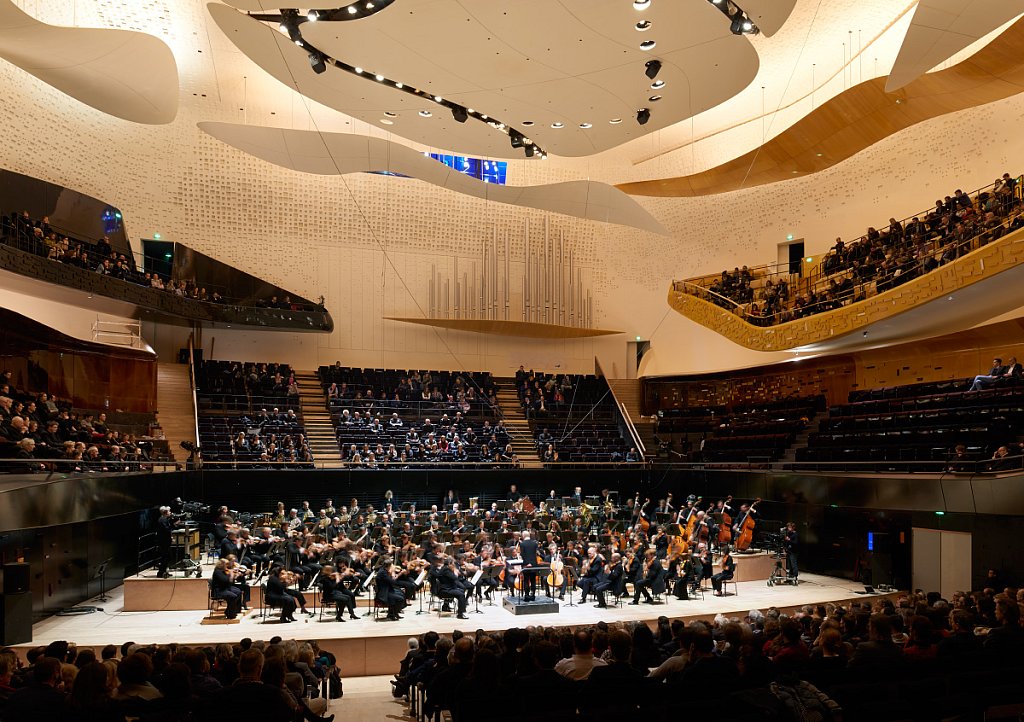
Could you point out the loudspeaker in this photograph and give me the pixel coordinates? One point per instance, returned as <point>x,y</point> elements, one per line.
<point>17,618</point>
<point>16,575</point>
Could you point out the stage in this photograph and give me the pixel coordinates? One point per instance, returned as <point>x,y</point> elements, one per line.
<point>368,647</point>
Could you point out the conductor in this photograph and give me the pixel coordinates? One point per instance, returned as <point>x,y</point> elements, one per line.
<point>531,558</point>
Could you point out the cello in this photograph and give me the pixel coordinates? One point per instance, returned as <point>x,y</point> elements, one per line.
<point>745,528</point>
<point>725,529</point>
<point>556,578</point>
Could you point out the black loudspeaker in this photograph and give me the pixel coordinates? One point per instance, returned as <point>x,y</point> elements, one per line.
<point>17,618</point>
<point>15,578</point>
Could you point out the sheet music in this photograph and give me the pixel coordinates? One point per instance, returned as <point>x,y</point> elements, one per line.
<point>476,577</point>
<point>421,577</point>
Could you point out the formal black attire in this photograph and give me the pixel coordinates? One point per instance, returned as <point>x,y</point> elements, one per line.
<point>221,587</point>
<point>531,558</point>
<point>388,594</point>
<point>728,569</point>
<point>278,596</point>
<point>590,580</point>
<point>610,582</point>
<point>164,526</point>
<point>645,582</point>
<point>448,587</point>
<point>792,543</point>
<point>342,598</point>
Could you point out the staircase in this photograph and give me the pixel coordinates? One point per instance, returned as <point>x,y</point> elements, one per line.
<point>800,441</point>
<point>519,431</point>
<point>627,392</point>
<point>176,414</point>
<point>320,434</point>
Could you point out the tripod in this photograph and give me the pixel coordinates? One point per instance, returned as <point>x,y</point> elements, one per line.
<point>101,574</point>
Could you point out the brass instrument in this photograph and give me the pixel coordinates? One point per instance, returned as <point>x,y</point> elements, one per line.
<point>585,513</point>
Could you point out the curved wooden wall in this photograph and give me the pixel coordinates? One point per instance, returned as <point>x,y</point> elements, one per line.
<point>856,119</point>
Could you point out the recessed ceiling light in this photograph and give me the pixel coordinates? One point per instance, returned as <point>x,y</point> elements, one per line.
<point>379,77</point>
<point>657,85</point>
<point>647,45</point>
<point>358,70</point>
<point>527,123</point>
<point>312,16</point>
<point>654,98</point>
<point>386,121</point>
<point>641,4</point>
<point>390,114</point>
<point>369,6</point>
<point>352,10</point>
<point>437,98</point>
<point>644,25</point>
<point>399,85</point>
<point>556,126</point>
<point>586,125</point>
<point>819,155</point>
<point>426,113</point>
<point>615,121</point>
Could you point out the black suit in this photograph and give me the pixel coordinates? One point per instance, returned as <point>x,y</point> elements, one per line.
<point>448,587</point>
<point>278,596</point>
<point>531,558</point>
<point>164,525</point>
<point>221,587</point>
<point>609,583</point>
<point>388,593</point>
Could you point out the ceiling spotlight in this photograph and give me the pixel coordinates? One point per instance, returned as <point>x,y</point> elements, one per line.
<point>399,85</point>
<point>557,125</point>
<point>653,68</point>
<point>426,113</point>
<point>642,116</point>
<point>317,62</point>
<point>530,151</point>
<point>543,156</point>
<point>379,77</point>
<point>352,10</point>
<point>741,24</point>
<point>313,16</point>
<point>584,126</point>
<point>290,25</point>
<point>516,139</point>
<point>647,45</point>
<point>657,85</point>
<point>615,121</point>
<point>643,25</point>
<point>460,114</point>
<point>359,71</point>
<point>654,98</point>
<point>641,4</point>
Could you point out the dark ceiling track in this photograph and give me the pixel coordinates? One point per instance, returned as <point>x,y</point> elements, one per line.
<point>291,20</point>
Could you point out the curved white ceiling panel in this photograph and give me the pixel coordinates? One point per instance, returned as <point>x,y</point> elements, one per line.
<point>531,64</point>
<point>127,74</point>
<point>942,28</point>
<point>340,153</point>
<point>768,15</point>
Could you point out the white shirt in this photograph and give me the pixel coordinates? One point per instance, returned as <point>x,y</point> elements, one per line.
<point>578,666</point>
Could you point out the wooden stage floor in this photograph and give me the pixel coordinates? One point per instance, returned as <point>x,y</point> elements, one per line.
<point>368,647</point>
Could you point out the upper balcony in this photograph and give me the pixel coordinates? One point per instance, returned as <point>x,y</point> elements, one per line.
<point>936,272</point>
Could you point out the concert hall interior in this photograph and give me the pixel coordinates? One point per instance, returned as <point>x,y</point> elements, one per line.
<point>550,359</point>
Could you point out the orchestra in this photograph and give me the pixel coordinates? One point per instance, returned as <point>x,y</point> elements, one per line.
<point>460,553</point>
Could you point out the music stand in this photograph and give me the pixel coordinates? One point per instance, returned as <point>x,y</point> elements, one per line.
<point>101,574</point>
<point>570,581</point>
<point>492,573</point>
<point>419,589</point>
<point>476,597</point>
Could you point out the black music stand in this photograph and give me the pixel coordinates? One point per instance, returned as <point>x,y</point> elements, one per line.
<point>570,581</point>
<point>493,572</point>
<point>101,574</point>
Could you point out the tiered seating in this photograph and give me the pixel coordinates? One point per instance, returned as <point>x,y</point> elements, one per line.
<point>759,432</point>
<point>274,437</point>
<point>918,423</point>
<point>245,386</point>
<point>573,418</point>
<point>421,417</point>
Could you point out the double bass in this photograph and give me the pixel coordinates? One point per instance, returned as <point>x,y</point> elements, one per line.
<point>745,528</point>
<point>725,529</point>
<point>691,517</point>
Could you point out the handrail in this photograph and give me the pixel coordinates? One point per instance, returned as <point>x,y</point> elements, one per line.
<point>195,402</point>
<point>623,413</point>
<point>817,278</point>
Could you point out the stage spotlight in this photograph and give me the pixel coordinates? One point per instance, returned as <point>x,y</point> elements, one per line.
<point>653,68</point>
<point>516,138</point>
<point>290,24</point>
<point>317,62</point>
<point>460,114</point>
<point>642,116</point>
<point>742,25</point>
<point>529,151</point>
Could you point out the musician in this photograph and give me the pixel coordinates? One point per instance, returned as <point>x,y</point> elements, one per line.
<point>791,543</point>
<point>164,527</point>
<point>686,578</point>
<point>387,593</point>
<point>220,529</point>
<point>307,512</point>
<point>329,508</point>
<point>660,541</point>
<point>513,494</point>
<point>230,546</point>
<point>576,500</point>
<point>239,575</point>
<point>295,560</point>
<point>728,570</point>
<point>529,553</point>
<point>610,581</point>
<point>591,573</point>
<point>222,586</point>
<point>745,511</point>
<point>705,560</point>
<point>333,587</point>
<point>294,521</point>
<point>278,594</point>
<point>648,574</point>
<point>450,499</point>
<point>448,586</point>
<point>333,530</point>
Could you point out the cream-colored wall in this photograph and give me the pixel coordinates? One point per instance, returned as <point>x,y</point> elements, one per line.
<point>367,242</point>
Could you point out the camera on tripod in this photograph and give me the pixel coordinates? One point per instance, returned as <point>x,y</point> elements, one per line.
<point>774,543</point>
